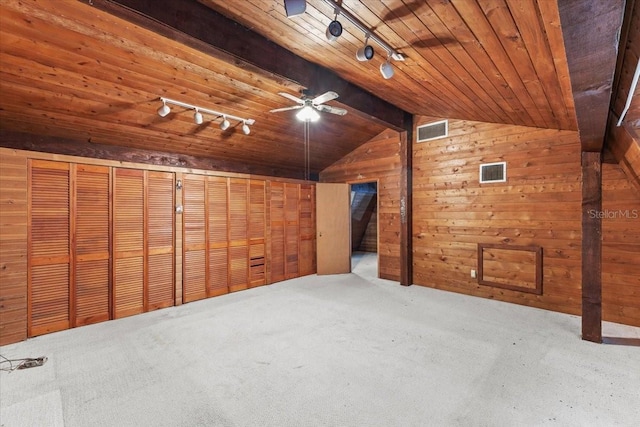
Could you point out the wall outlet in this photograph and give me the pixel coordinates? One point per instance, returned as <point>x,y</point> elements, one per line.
<point>474,274</point>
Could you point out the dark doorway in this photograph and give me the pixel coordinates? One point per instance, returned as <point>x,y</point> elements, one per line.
<point>364,222</point>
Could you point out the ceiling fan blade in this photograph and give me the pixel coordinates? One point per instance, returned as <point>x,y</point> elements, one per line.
<point>327,96</point>
<point>277,110</point>
<point>291,97</point>
<point>332,110</point>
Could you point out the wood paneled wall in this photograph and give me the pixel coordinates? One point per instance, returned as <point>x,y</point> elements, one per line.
<point>539,205</point>
<point>377,160</point>
<point>620,247</point>
<point>104,241</point>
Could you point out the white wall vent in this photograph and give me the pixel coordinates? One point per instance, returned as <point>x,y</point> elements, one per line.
<point>433,130</point>
<point>493,172</point>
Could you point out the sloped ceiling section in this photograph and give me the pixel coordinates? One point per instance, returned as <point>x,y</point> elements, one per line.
<point>624,140</point>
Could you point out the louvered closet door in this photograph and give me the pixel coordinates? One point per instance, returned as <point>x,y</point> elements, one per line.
<point>257,230</point>
<point>218,228</point>
<point>292,230</point>
<point>160,240</point>
<point>128,238</point>
<point>238,233</point>
<point>276,202</point>
<point>307,261</point>
<point>48,256</point>
<point>91,271</point>
<point>194,238</point>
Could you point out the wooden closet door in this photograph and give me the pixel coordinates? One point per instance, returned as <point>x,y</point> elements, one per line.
<point>292,230</point>
<point>128,238</point>
<point>257,230</point>
<point>276,216</point>
<point>218,234</point>
<point>160,277</point>
<point>238,233</point>
<point>307,260</point>
<point>91,269</point>
<point>48,259</point>
<point>194,238</point>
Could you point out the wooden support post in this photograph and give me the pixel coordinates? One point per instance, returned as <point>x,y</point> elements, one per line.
<point>406,209</point>
<point>591,246</point>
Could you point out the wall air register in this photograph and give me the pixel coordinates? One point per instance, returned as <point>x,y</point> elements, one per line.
<point>432,131</point>
<point>493,172</point>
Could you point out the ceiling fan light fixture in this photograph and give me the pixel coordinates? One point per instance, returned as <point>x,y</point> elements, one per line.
<point>334,30</point>
<point>308,114</point>
<point>197,117</point>
<point>164,110</point>
<point>245,128</point>
<point>225,123</point>
<point>386,69</point>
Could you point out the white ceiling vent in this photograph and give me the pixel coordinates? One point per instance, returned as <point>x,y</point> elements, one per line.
<point>433,130</point>
<point>493,172</point>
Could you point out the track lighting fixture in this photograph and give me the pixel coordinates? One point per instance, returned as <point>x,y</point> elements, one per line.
<point>365,53</point>
<point>294,7</point>
<point>334,30</point>
<point>225,123</point>
<point>386,69</point>
<point>164,110</point>
<point>198,117</point>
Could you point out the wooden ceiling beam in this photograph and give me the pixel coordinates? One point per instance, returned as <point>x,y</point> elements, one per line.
<point>591,30</point>
<point>200,27</point>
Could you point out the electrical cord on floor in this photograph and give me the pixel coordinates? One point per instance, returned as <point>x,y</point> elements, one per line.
<point>25,363</point>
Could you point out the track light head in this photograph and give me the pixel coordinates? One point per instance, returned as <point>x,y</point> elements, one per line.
<point>386,69</point>
<point>245,128</point>
<point>225,123</point>
<point>164,110</point>
<point>334,30</point>
<point>197,117</point>
<point>366,52</point>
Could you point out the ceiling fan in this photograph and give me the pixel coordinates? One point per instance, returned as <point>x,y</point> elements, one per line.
<point>308,105</point>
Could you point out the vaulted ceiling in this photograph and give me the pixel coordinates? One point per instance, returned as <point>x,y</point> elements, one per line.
<point>93,72</point>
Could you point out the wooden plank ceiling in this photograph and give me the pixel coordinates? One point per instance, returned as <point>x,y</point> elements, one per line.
<point>72,70</point>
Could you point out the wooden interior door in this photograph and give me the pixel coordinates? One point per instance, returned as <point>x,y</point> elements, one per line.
<point>128,238</point>
<point>48,255</point>
<point>257,231</point>
<point>238,234</point>
<point>194,241</point>
<point>307,259</point>
<point>276,218</point>
<point>160,240</point>
<point>333,222</point>
<point>91,269</point>
<point>218,235</point>
<point>292,229</point>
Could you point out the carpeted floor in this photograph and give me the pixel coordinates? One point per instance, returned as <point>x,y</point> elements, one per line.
<point>345,350</point>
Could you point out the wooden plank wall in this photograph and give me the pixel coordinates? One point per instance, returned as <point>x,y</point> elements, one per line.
<point>377,160</point>
<point>540,204</point>
<point>620,247</point>
<point>109,272</point>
